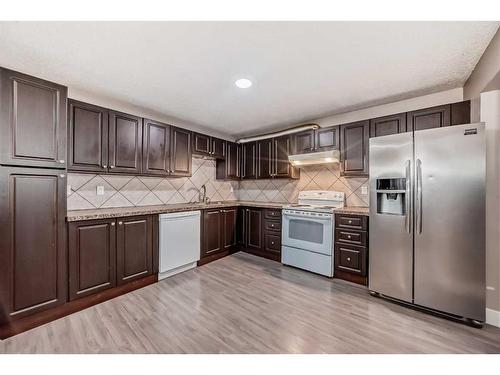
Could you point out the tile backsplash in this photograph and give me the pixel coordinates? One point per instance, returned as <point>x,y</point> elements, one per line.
<point>126,191</point>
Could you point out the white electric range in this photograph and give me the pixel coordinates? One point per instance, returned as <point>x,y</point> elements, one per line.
<point>307,231</point>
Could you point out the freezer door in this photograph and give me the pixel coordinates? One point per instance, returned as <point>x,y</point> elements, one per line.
<point>391,220</point>
<point>450,220</point>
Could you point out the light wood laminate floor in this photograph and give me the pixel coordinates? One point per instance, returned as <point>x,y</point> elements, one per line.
<point>245,304</point>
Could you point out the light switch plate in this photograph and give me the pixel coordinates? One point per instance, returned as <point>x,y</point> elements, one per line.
<point>364,190</point>
<point>100,190</point>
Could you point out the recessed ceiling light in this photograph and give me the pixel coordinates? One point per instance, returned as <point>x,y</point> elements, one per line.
<point>243,83</point>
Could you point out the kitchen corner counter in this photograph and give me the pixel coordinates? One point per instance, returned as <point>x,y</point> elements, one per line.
<point>108,213</point>
<point>365,211</point>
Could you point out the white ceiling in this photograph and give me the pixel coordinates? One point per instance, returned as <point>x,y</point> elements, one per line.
<point>300,70</point>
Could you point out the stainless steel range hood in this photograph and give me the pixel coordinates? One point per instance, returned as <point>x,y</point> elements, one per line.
<point>322,157</point>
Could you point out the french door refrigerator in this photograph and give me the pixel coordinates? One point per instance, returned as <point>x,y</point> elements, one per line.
<point>427,219</point>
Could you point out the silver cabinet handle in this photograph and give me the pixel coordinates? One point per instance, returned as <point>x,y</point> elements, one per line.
<point>113,224</point>
<point>419,195</point>
<point>104,166</point>
<point>111,166</point>
<point>62,175</point>
<point>272,242</point>
<point>62,161</point>
<point>120,222</point>
<point>349,259</point>
<point>407,196</point>
<point>349,236</point>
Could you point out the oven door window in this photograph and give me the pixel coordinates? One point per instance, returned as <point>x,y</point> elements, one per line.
<point>305,230</point>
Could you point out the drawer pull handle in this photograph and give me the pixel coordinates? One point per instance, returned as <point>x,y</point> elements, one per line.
<point>349,259</point>
<point>272,225</point>
<point>272,242</point>
<point>120,222</point>
<point>349,236</point>
<point>112,224</point>
<point>350,221</point>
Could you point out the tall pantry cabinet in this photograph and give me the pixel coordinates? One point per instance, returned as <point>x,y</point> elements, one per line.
<point>32,195</point>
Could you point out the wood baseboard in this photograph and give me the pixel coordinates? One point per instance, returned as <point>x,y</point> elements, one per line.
<point>24,324</point>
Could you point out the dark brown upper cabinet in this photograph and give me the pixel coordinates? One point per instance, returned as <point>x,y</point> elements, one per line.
<point>249,160</point>
<point>229,167</point>
<point>202,144</point>
<point>134,248</point>
<point>354,149</point>
<point>429,118</point>
<point>314,140</point>
<point>180,154</point>
<point>87,137</point>
<point>125,143</point>
<point>303,142</point>
<point>281,166</point>
<point>326,138</point>
<point>387,125</point>
<point>229,221</point>
<point>208,146</point>
<point>156,148</point>
<point>264,158</point>
<point>460,113</point>
<point>92,257</point>
<point>211,232</point>
<point>32,121</point>
<point>33,275</point>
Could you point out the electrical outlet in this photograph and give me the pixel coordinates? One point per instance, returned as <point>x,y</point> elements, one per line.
<point>100,190</point>
<point>364,190</point>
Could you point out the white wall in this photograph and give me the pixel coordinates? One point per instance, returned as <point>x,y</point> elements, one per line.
<point>439,98</point>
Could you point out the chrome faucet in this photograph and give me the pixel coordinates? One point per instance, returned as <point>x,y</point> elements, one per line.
<point>202,194</point>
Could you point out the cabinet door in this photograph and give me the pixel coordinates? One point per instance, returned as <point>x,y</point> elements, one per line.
<point>387,125</point>
<point>125,143</point>
<point>32,121</point>
<point>230,227</point>
<point>156,148</point>
<point>88,137</point>
<point>211,232</point>
<point>180,152</point>
<point>303,142</point>
<point>460,113</point>
<point>202,144</point>
<point>233,161</point>
<point>241,226</point>
<point>354,149</point>
<point>254,228</point>
<point>327,138</point>
<point>249,153</point>
<point>218,148</point>
<point>33,241</point>
<point>282,167</point>
<point>92,257</point>
<point>134,248</point>
<point>429,118</point>
<point>264,155</point>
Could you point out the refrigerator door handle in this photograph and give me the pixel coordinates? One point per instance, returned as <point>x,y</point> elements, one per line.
<point>407,197</point>
<point>419,195</point>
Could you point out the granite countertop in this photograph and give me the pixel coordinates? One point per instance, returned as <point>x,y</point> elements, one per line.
<point>107,213</point>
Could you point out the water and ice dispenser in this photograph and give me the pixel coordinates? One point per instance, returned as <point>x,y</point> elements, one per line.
<point>391,194</point>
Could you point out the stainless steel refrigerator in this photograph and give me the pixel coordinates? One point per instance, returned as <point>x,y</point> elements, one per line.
<point>427,219</point>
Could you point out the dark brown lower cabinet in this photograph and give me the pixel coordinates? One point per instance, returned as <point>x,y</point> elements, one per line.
<point>351,248</point>
<point>33,273</point>
<point>92,257</point>
<point>219,233</point>
<point>134,248</point>
<point>261,232</point>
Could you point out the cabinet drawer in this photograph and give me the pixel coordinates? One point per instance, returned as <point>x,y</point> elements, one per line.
<point>350,258</point>
<point>272,226</point>
<point>353,237</point>
<point>272,214</point>
<point>272,242</point>
<point>351,222</point>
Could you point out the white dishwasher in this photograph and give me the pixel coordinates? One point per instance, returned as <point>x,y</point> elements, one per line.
<point>179,242</point>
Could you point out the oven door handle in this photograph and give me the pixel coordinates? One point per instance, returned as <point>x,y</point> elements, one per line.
<point>322,218</point>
